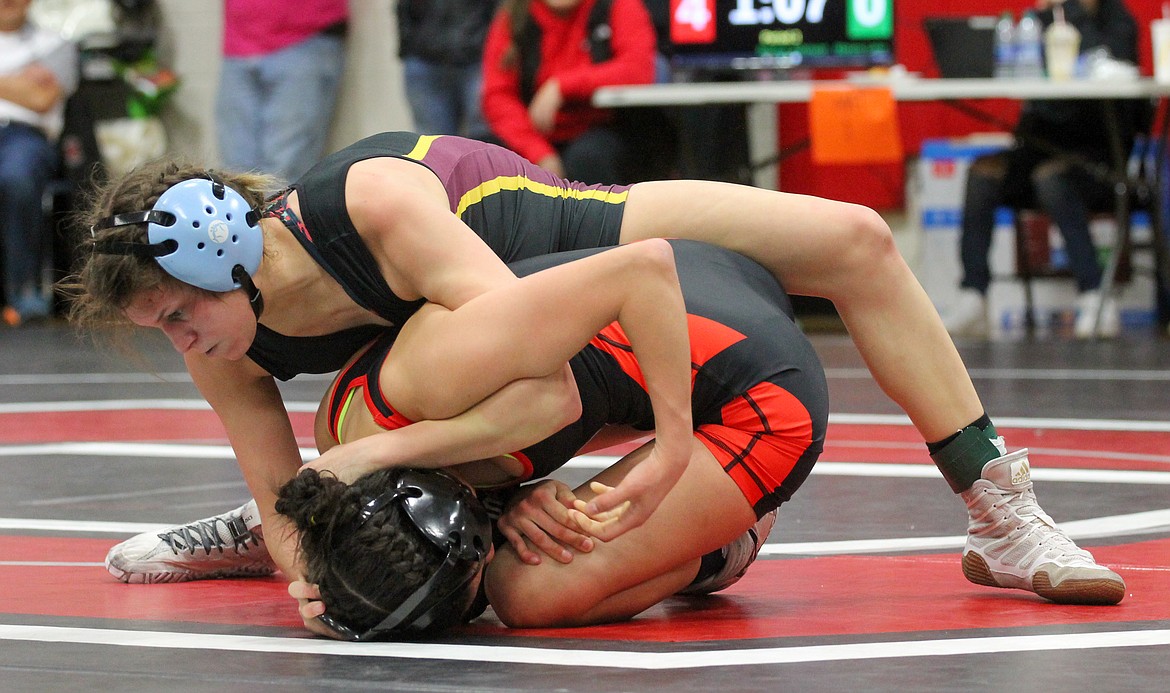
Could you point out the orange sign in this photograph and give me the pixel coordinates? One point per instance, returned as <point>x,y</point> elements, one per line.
<point>854,125</point>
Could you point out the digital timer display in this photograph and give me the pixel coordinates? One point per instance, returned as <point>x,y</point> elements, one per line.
<point>782,33</point>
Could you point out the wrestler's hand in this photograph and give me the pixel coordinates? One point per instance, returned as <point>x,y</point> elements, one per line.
<point>346,462</point>
<point>311,606</point>
<point>542,110</point>
<point>616,510</point>
<point>540,514</point>
<point>553,164</point>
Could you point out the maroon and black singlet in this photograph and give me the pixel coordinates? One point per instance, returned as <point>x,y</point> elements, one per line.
<point>517,208</point>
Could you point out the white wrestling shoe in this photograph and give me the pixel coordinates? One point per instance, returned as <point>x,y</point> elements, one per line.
<point>224,546</point>
<point>737,556</point>
<point>1013,543</point>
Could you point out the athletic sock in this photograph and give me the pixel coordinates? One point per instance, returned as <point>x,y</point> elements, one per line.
<point>962,455</point>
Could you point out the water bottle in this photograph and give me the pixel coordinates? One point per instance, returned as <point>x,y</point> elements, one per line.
<point>1005,46</point>
<point>1029,50</point>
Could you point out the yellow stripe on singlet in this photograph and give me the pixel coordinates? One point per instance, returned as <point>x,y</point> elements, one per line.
<point>513,183</point>
<point>422,147</point>
<point>341,414</point>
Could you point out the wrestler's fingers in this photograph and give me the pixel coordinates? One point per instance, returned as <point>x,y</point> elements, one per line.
<point>606,516</point>
<point>516,540</point>
<point>301,590</point>
<point>593,526</point>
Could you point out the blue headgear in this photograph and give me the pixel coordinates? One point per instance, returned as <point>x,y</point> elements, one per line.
<point>447,512</point>
<point>200,231</point>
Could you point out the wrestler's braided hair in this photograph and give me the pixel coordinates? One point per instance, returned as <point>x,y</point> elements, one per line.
<point>364,570</point>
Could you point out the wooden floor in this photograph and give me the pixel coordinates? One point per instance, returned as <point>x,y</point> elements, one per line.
<point>859,587</point>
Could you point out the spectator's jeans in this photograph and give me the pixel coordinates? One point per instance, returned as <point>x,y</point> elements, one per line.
<point>1060,195</point>
<point>273,111</point>
<point>27,160</point>
<point>597,156</point>
<point>445,99</point>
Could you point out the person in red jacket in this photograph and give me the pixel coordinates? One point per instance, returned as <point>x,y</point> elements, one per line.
<point>542,62</point>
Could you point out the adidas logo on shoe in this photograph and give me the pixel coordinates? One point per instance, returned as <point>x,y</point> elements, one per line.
<point>1021,472</point>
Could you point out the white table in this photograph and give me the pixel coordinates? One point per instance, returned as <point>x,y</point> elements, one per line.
<point>903,89</point>
<point>760,97</point>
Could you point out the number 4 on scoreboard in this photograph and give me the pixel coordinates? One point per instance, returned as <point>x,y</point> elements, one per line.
<point>692,21</point>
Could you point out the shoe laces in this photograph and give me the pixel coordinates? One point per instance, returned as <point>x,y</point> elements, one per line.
<point>206,535</point>
<point>1022,525</point>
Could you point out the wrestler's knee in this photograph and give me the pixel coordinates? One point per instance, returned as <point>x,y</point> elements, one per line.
<point>523,596</point>
<point>866,241</point>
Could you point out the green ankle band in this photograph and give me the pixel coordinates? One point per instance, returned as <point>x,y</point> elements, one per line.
<point>962,460</point>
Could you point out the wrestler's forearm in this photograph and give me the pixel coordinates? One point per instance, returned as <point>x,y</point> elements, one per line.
<point>480,439</point>
<point>252,412</point>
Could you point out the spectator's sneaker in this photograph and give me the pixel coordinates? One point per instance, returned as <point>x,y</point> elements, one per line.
<point>224,546</point>
<point>1012,543</point>
<point>723,568</point>
<point>967,316</point>
<point>1096,316</point>
<point>30,306</point>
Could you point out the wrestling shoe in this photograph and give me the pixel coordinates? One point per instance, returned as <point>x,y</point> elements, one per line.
<point>1013,543</point>
<point>225,546</point>
<point>723,568</point>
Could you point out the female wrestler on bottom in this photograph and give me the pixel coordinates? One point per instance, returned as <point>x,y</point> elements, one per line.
<point>758,407</point>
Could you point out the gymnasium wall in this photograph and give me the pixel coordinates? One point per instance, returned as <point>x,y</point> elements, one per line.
<point>372,98</point>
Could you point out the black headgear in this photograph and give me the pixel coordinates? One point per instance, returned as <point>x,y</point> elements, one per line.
<point>447,512</point>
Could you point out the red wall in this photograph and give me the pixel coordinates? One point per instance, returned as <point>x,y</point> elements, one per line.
<point>882,186</point>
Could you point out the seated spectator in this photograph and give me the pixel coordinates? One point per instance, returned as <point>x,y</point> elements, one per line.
<point>1055,165</point>
<point>542,62</point>
<point>38,72</point>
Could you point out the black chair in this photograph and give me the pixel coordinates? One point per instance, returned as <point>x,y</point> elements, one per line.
<point>1032,231</point>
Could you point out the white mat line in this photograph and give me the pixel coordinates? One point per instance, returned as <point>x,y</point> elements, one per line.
<point>1115,374</point>
<point>925,471</point>
<point>841,418</point>
<point>124,449</point>
<point>174,377</point>
<point>51,564</point>
<point>875,470</point>
<point>1016,422</point>
<point>1062,374</point>
<point>121,404</point>
<point>21,524</point>
<point>918,448</point>
<point>585,462</point>
<point>1091,528</point>
<point>608,659</point>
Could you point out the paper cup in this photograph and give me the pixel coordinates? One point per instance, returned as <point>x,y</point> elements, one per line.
<point>1160,35</point>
